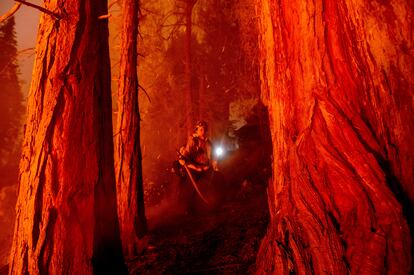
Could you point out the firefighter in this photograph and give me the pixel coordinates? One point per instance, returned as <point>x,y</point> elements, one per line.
<point>197,153</point>
<point>196,158</point>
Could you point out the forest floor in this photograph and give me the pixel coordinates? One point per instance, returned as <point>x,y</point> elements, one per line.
<point>220,241</point>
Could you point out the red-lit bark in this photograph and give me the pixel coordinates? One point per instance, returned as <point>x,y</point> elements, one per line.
<point>66,218</point>
<point>337,77</point>
<point>130,192</point>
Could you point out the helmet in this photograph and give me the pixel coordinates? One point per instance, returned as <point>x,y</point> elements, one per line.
<point>199,124</point>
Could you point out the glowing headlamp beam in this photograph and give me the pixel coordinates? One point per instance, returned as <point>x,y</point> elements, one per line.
<point>219,151</point>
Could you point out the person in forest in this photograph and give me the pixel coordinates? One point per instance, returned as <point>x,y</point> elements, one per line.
<point>197,153</point>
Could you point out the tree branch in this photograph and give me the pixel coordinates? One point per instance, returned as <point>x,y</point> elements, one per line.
<point>104,16</point>
<point>42,9</point>
<point>139,86</point>
<point>10,13</point>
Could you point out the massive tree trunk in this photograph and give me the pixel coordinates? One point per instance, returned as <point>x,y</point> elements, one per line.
<point>338,78</point>
<point>66,217</point>
<point>130,191</point>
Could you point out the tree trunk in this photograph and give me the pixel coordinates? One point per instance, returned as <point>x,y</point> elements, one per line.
<point>188,67</point>
<point>201,94</point>
<point>66,217</point>
<point>337,77</point>
<point>130,191</point>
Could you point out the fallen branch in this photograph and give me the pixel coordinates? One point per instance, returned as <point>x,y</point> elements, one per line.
<point>42,9</point>
<point>10,12</point>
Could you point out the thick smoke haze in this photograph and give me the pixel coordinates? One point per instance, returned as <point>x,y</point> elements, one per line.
<point>27,20</point>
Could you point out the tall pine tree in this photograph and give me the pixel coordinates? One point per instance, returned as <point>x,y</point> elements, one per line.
<point>11,112</point>
<point>11,105</point>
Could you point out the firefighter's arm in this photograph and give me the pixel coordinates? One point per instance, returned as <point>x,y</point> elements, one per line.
<point>189,165</point>
<point>181,160</point>
<point>194,167</point>
<point>189,146</point>
<point>185,152</point>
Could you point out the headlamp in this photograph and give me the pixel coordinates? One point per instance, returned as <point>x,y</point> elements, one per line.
<point>219,151</point>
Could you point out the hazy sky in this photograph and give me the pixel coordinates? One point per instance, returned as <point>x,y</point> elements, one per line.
<point>27,20</point>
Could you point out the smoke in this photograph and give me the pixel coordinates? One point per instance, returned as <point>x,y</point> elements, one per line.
<point>172,206</point>
<point>7,214</point>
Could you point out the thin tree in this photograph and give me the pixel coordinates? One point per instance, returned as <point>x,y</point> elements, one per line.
<point>188,96</point>
<point>337,79</point>
<point>66,213</point>
<point>130,191</point>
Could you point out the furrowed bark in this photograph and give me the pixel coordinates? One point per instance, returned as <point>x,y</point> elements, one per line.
<point>337,77</point>
<point>130,191</point>
<point>66,217</point>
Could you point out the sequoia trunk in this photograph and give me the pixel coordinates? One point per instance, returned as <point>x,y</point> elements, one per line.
<point>337,77</point>
<point>66,217</point>
<point>130,191</point>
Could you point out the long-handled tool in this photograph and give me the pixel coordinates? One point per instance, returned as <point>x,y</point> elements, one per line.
<point>193,182</point>
<point>195,185</point>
